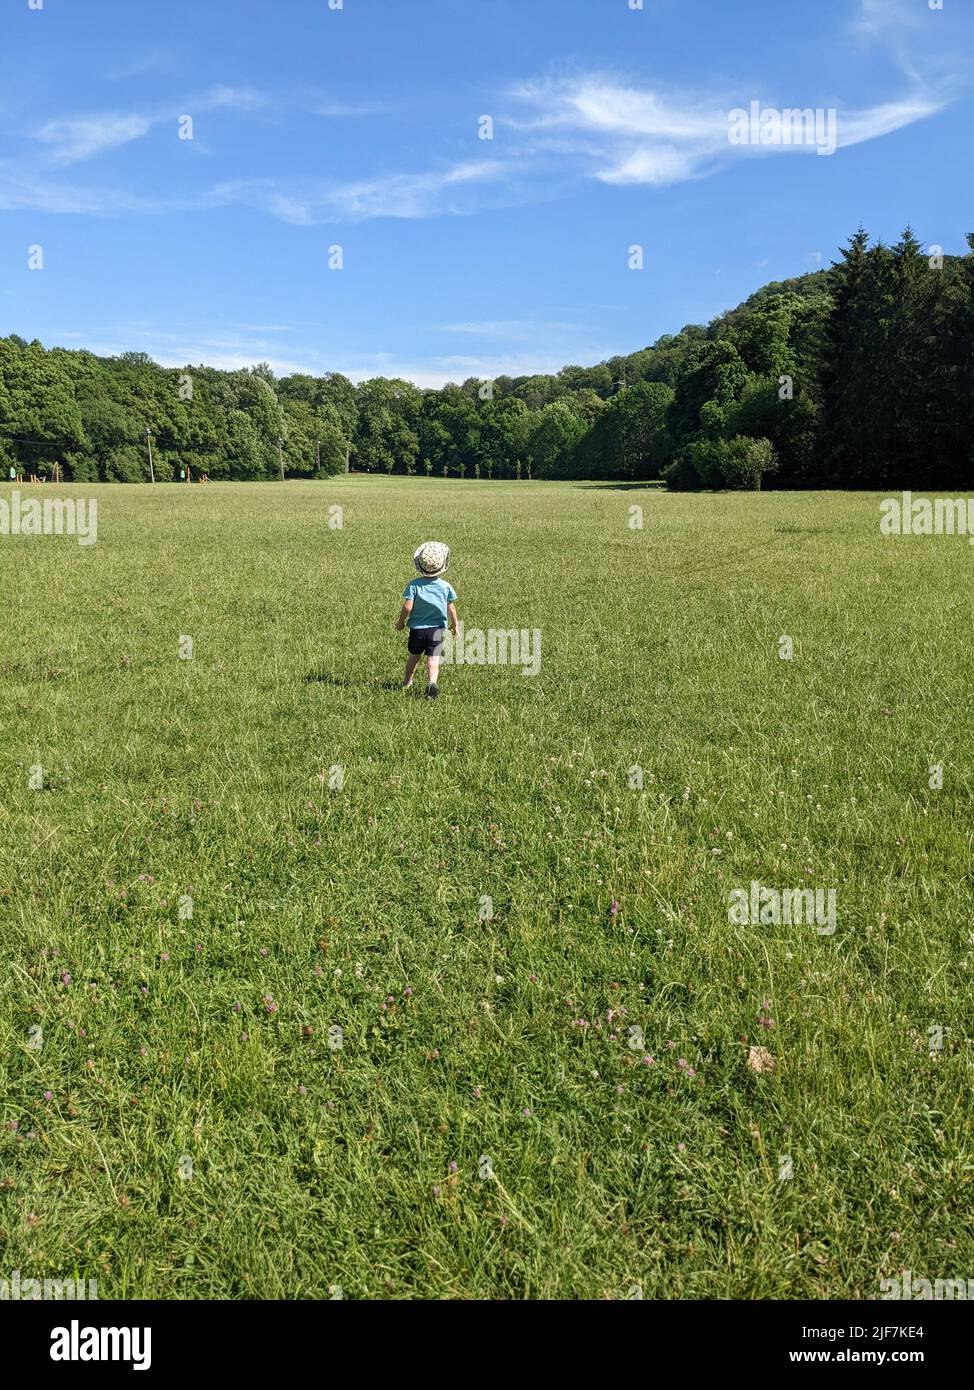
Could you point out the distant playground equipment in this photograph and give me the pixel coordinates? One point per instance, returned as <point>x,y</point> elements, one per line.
<point>16,475</point>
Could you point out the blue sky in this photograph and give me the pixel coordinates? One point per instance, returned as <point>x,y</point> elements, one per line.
<point>359,127</point>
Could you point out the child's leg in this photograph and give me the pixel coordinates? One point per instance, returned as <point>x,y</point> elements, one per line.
<point>432,669</point>
<point>411,663</point>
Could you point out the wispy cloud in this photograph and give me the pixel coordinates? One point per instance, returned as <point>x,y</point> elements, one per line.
<point>71,139</point>
<point>624,134</point>
<point>81,137</point>
<point>410,196</point>
<point>413,195</point>
<point>20,191</point>
<point>619,133</point>
<point>231,347</point>
<point>558,131</point>
<point>930,47</point>
<point>855,127</point>
<point>449,190</point>
<point>266,196</point>
<point>435,372</point>
<point>231,98</point>
<point>508,328</point>
<point>345,110</point>
<point>876,19</point>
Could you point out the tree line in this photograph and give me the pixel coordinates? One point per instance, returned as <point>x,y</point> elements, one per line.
<point>859,375</point>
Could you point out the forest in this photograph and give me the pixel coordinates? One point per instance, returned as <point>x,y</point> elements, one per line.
<point>860,375</point>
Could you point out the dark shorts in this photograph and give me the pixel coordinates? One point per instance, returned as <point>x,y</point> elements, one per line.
<point>426,641</point>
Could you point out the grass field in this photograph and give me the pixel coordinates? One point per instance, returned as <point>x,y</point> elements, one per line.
<point>668,1165</point>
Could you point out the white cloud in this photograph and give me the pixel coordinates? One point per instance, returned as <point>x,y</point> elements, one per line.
<point>231,350</point>
<point>194,353</point>
<point>879,18</point>
<point>598,103</point>
<point>855,127</point>
<point>264,195</point>
<point>228,353</point>
<point>437,371</point>
<point>624,134</point>
<point>74,138</point>
<point>660,165</point>
<point>399,195</point>
<point>507,328</point>
<point>37,193</point>
<point>412,195</point>
<point>232,98</point>
<point>930,47</point>
<point>342,110</point>
<point>396,195</point>
<point>80,137</point>
<point>594,126</point>
<point>628,135</point>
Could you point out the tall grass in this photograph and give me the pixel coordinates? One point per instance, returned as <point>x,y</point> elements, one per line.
<point>187,1129</point>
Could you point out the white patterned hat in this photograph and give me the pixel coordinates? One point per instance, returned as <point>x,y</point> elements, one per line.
<point>432,558</point>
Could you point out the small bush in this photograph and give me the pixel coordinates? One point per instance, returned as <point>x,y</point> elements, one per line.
<point>718,464</point>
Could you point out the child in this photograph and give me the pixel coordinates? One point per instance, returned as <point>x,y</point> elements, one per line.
<point>428,602</point>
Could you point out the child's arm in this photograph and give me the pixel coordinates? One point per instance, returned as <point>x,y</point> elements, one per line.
<point>407,608</point>
<point>451,609</point>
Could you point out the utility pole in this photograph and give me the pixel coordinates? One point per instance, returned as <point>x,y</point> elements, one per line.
<point>148,440</point>
<point>318,443</point>
<point>348,450</point>
<point>280,455</point>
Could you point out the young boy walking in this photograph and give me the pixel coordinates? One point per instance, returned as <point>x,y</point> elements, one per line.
<point>429,603</point>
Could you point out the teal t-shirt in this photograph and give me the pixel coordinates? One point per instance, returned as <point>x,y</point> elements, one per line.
<point>430,597</point>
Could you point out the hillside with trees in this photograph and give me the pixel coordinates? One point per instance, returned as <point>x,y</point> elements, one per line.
<point>858,376</point>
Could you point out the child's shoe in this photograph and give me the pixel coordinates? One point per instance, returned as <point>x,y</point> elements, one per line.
<point>432,691</point>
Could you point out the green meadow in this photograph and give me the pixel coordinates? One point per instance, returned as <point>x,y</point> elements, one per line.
<point>460,1011</point>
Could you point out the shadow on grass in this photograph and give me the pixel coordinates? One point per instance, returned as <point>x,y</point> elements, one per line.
<point>650,485</point>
